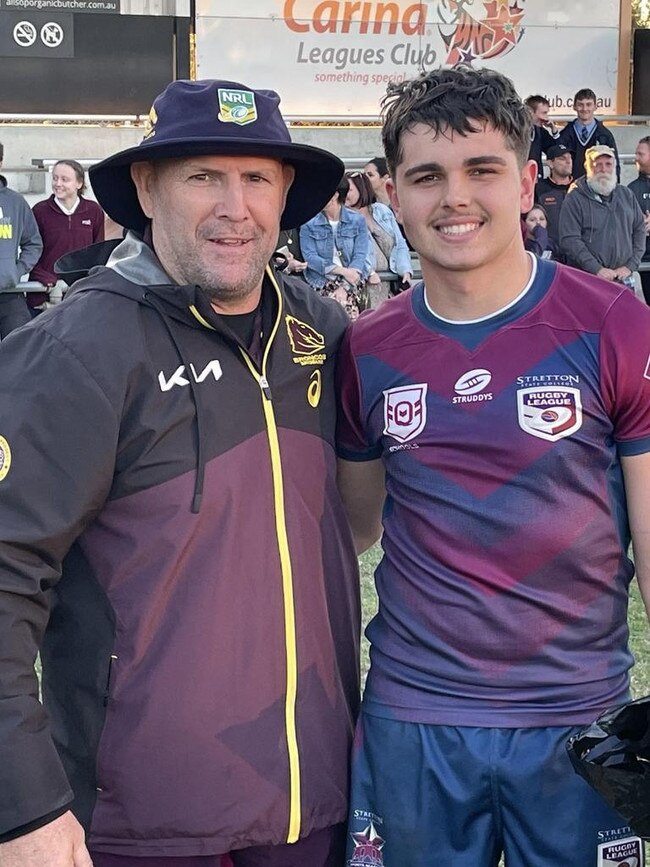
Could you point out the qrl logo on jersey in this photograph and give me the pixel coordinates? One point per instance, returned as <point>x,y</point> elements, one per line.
<point>549,413</point>
<point>405,411</point>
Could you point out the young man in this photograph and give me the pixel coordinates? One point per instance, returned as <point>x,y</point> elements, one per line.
<point>20,250</point>
<point>641,189</point>
<point>504,402</point>
<point>543,133</point>
<point>171,506</point>
<point>602,230</point>
<point>586,131</point>
<point>550,191</point>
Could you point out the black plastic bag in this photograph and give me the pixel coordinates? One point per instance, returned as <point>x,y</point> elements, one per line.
<point>613,756</point>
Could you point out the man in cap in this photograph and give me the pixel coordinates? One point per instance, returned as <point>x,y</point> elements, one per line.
<point>171,507</point>
<point>601,224</point>
<point>550,191</point>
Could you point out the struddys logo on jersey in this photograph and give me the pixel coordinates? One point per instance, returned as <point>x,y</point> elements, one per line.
<point>307,344</point>
<point>550,413</point>
<point>627,852</point>
<point>237,106</point>
<point>368,843</point>
<point>405,411</point>
<point>5,458</point>
<point>470,387</point>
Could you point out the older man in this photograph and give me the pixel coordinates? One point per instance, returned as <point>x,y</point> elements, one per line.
<point>170,505</point>
<point>601,224</point>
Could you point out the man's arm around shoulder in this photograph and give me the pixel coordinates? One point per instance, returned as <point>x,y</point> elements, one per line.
<point>362,488</point>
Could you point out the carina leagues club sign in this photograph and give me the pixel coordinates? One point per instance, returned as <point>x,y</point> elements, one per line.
<point>335,58</point>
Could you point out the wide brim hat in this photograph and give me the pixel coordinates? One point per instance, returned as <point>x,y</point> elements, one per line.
<point>218,118</point>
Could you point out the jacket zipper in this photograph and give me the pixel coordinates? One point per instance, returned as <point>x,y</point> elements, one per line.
<point>291,653</point>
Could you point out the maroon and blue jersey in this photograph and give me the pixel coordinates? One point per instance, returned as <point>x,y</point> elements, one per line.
<point>504,583</point>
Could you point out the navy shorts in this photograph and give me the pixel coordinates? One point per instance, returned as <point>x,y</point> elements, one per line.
<point>325,848</point>
<point>428,794</point>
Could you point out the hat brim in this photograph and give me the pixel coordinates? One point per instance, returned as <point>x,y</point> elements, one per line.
<point>318,173</point>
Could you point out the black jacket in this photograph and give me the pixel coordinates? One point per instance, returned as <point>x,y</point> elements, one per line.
<point>550,196</point>
<point>173,538</point>
<point>600,135</point>
<point>641,189</point>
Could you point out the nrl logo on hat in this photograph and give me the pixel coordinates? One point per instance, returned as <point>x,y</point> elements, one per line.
<point>237,106</point>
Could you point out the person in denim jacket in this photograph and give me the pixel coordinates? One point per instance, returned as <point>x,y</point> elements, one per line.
<point>335,243</point>
<point>388,250</point>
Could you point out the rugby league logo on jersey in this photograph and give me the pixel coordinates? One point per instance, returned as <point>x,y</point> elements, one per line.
<point>405,411</point>
<point>550,413</point>
<point>627,852</point>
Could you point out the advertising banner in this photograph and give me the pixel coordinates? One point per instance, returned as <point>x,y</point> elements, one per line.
<point>334,59</point>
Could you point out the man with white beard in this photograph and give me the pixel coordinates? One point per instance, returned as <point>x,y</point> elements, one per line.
<point>601,224</point>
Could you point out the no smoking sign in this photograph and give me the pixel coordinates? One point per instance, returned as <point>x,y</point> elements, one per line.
<point>34,34</point>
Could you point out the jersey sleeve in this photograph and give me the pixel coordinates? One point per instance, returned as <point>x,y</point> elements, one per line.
<point>625,372</point>
<point>351,429</point>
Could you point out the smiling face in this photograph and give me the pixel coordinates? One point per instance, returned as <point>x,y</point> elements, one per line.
<point>215,221</point>
<point>65,184</point>
<point>585,109</point>
<point>460,199</point>
<point>540,114</point>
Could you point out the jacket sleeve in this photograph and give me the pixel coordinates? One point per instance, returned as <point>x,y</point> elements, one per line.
<point>638,235</point>
<point>400,257</point>
<point>315,261</point>
<point>31,245</point>
<point>57,454</point>
<point>360,259</point>
<point>572,247</point>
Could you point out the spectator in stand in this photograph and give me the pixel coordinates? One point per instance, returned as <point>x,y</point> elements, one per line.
<point>387,250</point>
<point>377,173</point>
<point>537,238</point>
<point>544,134</point>
<point>20,247</point>
<point>641,189</point>
<point>550,191</point>
<point>602,230</point>
<point>288,256</point>
<point>335,246</point>
<point>67,221</point>
<point>586,132</point>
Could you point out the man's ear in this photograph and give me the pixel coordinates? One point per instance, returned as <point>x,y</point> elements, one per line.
<point>394,198</point>
<point>528,181</point>
<point>143,176</point>
<point>288,174</point>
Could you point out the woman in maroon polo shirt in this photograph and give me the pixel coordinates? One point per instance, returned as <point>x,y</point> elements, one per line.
<point>67,221</point>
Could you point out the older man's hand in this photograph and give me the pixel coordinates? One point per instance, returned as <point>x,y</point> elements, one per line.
<point>60,843</point>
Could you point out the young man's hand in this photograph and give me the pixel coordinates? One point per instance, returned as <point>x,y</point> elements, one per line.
<point>60,843</point>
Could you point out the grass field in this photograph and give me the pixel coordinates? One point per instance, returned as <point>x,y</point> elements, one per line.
<point>638,623</point>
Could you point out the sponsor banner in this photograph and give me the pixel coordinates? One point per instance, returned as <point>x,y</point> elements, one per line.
<point>36,34</point>
<point>335,58</point>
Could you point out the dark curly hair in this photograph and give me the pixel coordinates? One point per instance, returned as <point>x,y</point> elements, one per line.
<point>461,99</point>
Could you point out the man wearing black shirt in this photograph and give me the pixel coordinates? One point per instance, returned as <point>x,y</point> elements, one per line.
<point>550,192</point>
